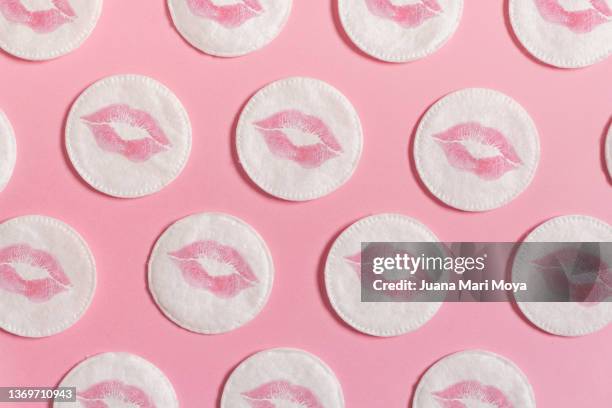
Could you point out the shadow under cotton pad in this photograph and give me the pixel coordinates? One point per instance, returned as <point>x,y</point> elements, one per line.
<point>282,377</point>
<point>119,380</point>
<point>8,151</point>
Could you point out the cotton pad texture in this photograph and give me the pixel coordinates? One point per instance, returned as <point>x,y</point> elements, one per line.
<point>8,151</point>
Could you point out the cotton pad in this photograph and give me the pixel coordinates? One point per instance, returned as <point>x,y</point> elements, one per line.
<point>8,151</point>
<point>42,30</point>
<point>564,318</point>
<point>210,273</point>
<point>118,380</point>
<point>299,139</point>
<point>229,28</point>
<point>128,136</point>
<point>608,152</point>
<point>566,34</point>
<point>47,276</point>
<point>282,377</point>
<point>476,149</point>
<point>344,285</point>
<point>400,30</point>
<point>474,378</point>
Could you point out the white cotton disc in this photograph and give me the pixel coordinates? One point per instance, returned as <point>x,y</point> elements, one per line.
<point>211,273</point>
<point>47,276</point>
<point>399,30</point>
<point>229,28</point>
<point>608,152</point>
<point>42,30</point>
<point>565,34</point>
<point>299,139</point>
<point>344,284</point>
<point>476,149</point>
<point>282,377</point>
<point>474,378</point>
<point>565,318</point>
<point>116,380</point>
<point>128,136</point>
<point>8,151</point>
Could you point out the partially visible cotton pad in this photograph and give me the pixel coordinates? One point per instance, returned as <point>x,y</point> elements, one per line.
<point>112,380</point>
<point>565,318</point>
<point>8,151</point>
<point>608,152</point>
<point>47,276</point>
<point>128,136</point>
<point>299,139</point>
<point>476,149</point>
<point>400,31</point>
<point>474,378</point>
<point>211,273</point>
<point>565,34</point>
<point>343,284</point>
<point>229,28</point>
<point>282,377</point>
<point>42,30</point>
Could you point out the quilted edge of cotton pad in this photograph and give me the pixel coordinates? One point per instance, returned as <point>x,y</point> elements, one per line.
<point>6,124</point>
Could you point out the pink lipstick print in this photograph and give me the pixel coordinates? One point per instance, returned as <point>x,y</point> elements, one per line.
<point>462,394</point>
<point>222,286</point>
<point>310,156</point>
<point>409,15</point>
<point>41,21</point>
<point>35,290</point>
<point>138,150</point>
<point>580,21</point>
<point>453,142</point>
<point>116,391</point>
<point>229,16</point>
<point>281,391</point>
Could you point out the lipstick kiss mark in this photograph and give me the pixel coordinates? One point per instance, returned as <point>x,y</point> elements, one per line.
<point>229,16</point>
<point>281,391</point>
<point>41,21</point>
<point>98,395</point>
<point>35,290</point>
<point>222,286</point>
<point>581,21</point>
<point>138,150</point>
<point>467,394</point>
<point>408,15</point>
<point>309,156</point>
<point>453,142</point>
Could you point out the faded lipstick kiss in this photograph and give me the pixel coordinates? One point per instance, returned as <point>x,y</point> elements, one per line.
<point>309,156</point>
<point>408,15</point>
<point>229,16</point>
<point>41,21</point>
<point>223,286</point>
<point>453,143</point>
<point>98,395</point>
<point>281,391</point>
<point>36,290</point>
<point>580,21</point>
<point>138,150</point>
<point>466,394</point>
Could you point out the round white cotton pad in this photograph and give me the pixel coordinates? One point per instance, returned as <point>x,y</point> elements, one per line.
<point>211,273</point>
<point>474,378</point>
<point>565,318</point>
<point>8,151</point>
<point>476,149</point>
<point>42,30</point>
<point>299,139</point>
<point>400,30</point>
<point>229,28</point>
<point>47,276</point>
<point>565,34</point>
<point>118,380</point>
<point>282,377</point>
<point>128,136</point>
<point>343,284</point>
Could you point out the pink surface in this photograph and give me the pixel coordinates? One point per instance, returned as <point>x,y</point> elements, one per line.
<point>571,109</point>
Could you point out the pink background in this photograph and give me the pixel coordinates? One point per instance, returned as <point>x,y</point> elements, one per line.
<point>571,109</point>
